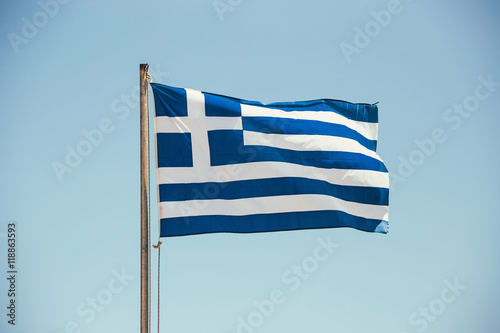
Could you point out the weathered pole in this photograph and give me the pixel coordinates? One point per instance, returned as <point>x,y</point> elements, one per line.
<point>145,243</point>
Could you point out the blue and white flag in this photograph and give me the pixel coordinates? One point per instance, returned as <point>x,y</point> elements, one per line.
<point>230,165</point>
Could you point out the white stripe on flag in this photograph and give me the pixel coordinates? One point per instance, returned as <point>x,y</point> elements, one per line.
<point>263,170</point>
<point>368,130</point>
<point>268,205</point>
<point>307,143</point>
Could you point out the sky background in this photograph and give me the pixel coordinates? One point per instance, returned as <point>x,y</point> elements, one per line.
<point>77,70</point>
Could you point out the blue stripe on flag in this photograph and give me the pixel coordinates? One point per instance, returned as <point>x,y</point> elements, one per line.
<point>181,226</point>
<point>226,147</point>
<point>358,112</point>
<point>304,126</point>
<point>172,102</point>
<point>220,106</point>
<point>272,187</point>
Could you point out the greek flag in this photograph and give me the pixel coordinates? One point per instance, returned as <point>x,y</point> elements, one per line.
<point>231,165</point>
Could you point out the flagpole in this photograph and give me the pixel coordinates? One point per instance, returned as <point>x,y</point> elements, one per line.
<point>145,238</point>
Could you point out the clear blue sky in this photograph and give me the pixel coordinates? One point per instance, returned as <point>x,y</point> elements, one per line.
<point>70,68</point>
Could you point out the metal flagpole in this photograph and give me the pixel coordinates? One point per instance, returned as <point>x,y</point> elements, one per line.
<point>145,238</point>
